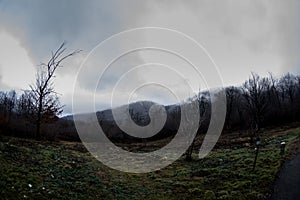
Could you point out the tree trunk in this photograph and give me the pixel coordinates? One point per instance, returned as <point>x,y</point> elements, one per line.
<point>38,121</point>
<point>188,154</point>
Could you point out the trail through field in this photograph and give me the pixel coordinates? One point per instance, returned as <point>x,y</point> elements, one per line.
<point>287,186</point>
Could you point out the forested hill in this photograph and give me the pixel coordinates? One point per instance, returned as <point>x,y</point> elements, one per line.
<point>257,103</point>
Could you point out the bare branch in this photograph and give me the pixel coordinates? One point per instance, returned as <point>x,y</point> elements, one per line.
<point>45,98</point>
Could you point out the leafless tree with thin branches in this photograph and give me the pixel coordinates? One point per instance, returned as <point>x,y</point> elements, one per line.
<point>45,99</point>
<point>255,99</point>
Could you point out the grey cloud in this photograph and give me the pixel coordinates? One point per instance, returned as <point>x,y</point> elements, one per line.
<point>45,24</point>
<point>253,35</point>
<point>3,86</point>
<point>238,34</point>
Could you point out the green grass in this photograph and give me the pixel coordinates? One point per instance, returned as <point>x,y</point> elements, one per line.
<point>45,170</point>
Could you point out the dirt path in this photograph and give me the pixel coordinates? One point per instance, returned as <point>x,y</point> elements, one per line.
<point>287,186</point>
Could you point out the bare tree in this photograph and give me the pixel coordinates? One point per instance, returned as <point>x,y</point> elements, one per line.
<point>288,84</point>
<point>298,83</point>
<point>232,97</point>
<point>45,98</point>
<point>12,99</point>
<point>25,106</point>
<point>202,102</point>
<point>255,97</point>
<point>7,105</point>
<point>272,91</point>
<point>3,109</point>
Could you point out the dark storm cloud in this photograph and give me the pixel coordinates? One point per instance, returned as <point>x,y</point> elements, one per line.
<point>242,36</point>
<point>45,24</point>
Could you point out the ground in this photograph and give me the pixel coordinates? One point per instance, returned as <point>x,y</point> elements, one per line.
<point>65,170</point>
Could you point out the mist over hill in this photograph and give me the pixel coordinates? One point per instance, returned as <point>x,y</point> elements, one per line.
<point>139,113</point>
<point>259,102</point>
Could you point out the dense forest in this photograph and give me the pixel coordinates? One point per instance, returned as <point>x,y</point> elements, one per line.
<point>259,102</point>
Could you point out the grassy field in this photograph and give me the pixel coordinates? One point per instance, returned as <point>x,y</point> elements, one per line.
<point>64,170</point>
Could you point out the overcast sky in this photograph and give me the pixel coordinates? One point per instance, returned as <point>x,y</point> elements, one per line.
<point>240,36</point>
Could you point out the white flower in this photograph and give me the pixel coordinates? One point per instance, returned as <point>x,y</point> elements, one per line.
<point>29,185</point>
<point>164,158</point>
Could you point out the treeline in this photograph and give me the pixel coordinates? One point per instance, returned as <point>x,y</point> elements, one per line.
<point>35,109</point>
<point>263,101</point>
<point>18,115</point>
<point>258,102</point>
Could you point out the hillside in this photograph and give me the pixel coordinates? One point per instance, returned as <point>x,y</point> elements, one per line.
<point>139,113</point>
<point>65,170</point>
